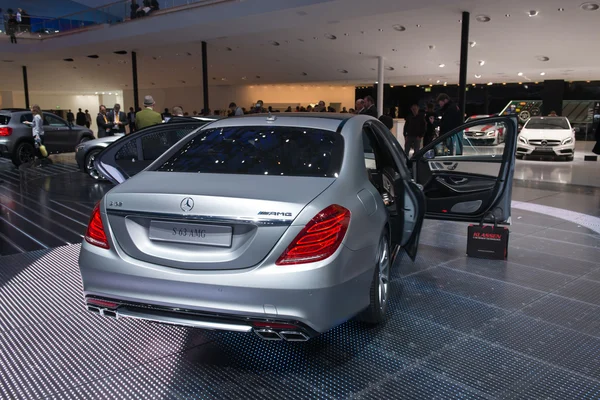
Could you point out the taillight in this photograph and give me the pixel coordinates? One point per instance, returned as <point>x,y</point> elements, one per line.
<point>6,131</point>
<point>95,232</point>
<point>319,239</point>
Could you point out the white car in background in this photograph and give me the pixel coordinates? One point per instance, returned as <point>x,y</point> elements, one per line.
<point>485,134</point>
<point>547,136</point>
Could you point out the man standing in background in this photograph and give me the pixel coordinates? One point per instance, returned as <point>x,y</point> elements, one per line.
<point>147,117</point>
<point>70,118</point>
<point>88,119</point>
<point>118,119</point>
<point>131,120</point>
<point>414,130</point>
<point>80,119</point>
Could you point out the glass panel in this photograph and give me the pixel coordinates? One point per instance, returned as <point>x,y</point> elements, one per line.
<point>261,151</point>
<point>479,140</point>
<point>128,151</point>
<point>53,121</point>
<point>5,119</point>
<point>155,144</point>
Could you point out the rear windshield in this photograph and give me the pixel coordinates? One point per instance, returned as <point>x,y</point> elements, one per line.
<point>4,119</point>
<point>287,151</point>
<point>547,123</point>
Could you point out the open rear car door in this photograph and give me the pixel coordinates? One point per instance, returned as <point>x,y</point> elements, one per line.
<point>465,181</point>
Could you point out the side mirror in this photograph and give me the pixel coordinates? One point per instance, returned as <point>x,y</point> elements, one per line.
<point>430,154</point>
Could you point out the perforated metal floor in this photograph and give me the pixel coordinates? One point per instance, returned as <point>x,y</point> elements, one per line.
<point>461,328</point>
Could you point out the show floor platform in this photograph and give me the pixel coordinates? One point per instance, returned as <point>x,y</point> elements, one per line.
<point>528,328</point>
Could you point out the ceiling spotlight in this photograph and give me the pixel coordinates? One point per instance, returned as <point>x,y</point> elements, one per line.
<point>431,47</point>
<point>477,76</point>
<point>331,37</point>
<point>533,13</point>
<point>520,74</point>
<point>418,85</point>
<point>418,25</point>
<point>304,74</point>
<point>481,63</point>
<point>543,58</point>
<point>380,30</point>
<point>343,71</point>
<point>483,18</point>
<point>507,15</point>
<point>504,83</point>
<point>274,43</point>
<point>103,93</point>
<point>389,68</point>
<point>96,93</point>
<point>472,44</point>
<point>403,85</point>
<point>561,9</point>
<point>542,73</point>
<point>442,65</point>
<point>399,28</point>
<point>376,82</point>
<point>589,6</point>
<point>438,81</point>
<point>490,83</point>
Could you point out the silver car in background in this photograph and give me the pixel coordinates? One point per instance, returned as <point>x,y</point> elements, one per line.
<point>282,226</point>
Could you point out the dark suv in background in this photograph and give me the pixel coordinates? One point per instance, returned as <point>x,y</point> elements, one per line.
<point>16,138</point>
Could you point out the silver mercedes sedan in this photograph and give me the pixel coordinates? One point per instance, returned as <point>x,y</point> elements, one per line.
<point>284,226</point>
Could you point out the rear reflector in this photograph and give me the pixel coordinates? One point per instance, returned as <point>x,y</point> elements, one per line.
<point>95,234</point>
<point>319,239</point>
<point>7,131</point>
<point>273,325</point>
<point>101,303</point>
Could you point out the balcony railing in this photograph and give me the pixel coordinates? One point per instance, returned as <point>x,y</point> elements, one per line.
<point>113,13</point>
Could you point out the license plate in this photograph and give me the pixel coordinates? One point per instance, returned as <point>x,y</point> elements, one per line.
<point>544,149</point>
<point>181,232</point>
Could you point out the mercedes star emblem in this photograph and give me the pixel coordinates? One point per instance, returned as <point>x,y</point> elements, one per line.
<point>544,143</point>
<point>187,204</point>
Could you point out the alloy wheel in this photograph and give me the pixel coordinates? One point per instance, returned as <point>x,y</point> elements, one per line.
<point>384,271</point>
<point>25,154</point>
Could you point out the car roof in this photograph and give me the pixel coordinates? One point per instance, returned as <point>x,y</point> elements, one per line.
<point>324,121</point>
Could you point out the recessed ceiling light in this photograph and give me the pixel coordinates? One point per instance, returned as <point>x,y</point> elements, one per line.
<point>257,76</point>
<point>481,63</point>
<point>380,30</point>
<point>103,93</point>
<point>96,93</point>
<point>304,74</point>
<point>472,44</point>
<point>389,68</point>
<point>372,69</point>
<point>331,37</point>
<point>490,83</point>
<point>533,13</point>
<point>543,58</point>
<point>228,49</point>
<point>343,71</point>
<point>394,50</point>
<point>418,25</point>
<point>274,43</point>
<point>483,18</point>
<point>376,82</point>
<point>301,40</point>
<point>438,81</point>
<point>542,73</point>
<point>244,78</point>
<point>121,52</point>
<point>431,47</point>
<point>561,9</point>
<point>68,60</point>
<point>589,6</point>
<point>345,34</point>
<point>520,74</point>
<point>403,85</point>
<point>477,76</point>
<point>507,15</point>
<point>442,65</point>
<point>399,28</point>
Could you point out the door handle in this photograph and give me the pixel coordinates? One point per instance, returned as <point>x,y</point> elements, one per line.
<point>458,180</point>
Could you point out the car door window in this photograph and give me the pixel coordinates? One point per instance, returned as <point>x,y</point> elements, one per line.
<point>27,118</point>
<point>53,121</point>
<point>464,171</point>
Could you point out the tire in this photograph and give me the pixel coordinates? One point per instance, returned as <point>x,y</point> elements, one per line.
<point>23,153</point>
<point>89,164</point>
<point>380,286</point>
<point>85,139</point>
<point>520,156</point>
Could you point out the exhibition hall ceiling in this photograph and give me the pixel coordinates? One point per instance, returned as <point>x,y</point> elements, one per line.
<point>337,42</point>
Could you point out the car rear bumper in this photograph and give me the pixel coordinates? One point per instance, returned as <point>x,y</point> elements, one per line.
<point>5,147</point>
<point>550,151</point>
<point>316,297</point>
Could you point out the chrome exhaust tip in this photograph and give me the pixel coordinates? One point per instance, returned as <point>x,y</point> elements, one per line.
<point>294,336</point>
<point>108,313</point>
<point>267,334</point>
<point>94,309</point>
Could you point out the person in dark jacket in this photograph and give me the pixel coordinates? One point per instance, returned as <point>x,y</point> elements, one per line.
<point>104,124</point>
<point>414,130</point>
<point>71,118</point>
<point>370,108</point>
<point>430,120</point>
<point>118,119</point>
<point>80,118</point>
<point>11,28</point>
<point>596,149</point>
<point>452,118</point>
